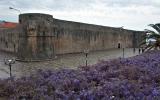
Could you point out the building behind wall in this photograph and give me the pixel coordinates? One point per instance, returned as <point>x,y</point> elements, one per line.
<point>41,37</point>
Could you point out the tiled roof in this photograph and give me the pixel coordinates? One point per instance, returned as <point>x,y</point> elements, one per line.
<point>4,24</point>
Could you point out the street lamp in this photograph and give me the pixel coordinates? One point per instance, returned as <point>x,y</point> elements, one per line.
<point>9,62</point>
<point>121,29</point>
<point>123,52</point>
<point>15,9</point>
<point>86,54</point>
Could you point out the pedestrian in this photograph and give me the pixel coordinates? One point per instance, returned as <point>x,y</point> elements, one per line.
<point>139,50</point>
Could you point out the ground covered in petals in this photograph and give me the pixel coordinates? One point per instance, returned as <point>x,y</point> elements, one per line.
<point>135,78</point>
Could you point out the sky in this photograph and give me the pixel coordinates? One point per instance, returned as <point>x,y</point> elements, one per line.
<point>131,14</point>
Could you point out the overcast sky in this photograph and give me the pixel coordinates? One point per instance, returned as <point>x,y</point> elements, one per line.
<point>132,14</point>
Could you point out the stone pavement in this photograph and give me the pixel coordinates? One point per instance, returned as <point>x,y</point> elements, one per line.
<point>62,61</point>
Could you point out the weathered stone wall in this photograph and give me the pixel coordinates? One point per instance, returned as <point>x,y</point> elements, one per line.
<point>9,39</point>
<point>40,37</point>
<point>137,38</point>
<point>37,37</point>
<point>72,37</point>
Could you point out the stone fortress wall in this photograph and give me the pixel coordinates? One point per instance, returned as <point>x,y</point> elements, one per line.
<point>9,39</point>
<point>41,37</point>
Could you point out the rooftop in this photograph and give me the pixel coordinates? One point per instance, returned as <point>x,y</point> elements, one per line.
<point>5,24</point>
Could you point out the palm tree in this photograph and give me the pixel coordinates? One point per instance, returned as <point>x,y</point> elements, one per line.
<point>152,38</point>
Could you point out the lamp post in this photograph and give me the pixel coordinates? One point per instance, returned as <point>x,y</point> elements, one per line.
<point>15,9</point>
<point>86,54</point>
<point>121,30</point>
<point>123,52</point>
<point>9,62</point>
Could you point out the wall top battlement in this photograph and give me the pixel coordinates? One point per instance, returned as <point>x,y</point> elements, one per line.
<point>35,15</point>
<point>68,24</point>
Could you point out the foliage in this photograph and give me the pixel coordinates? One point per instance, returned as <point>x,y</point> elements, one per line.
<point>152,38</point>
<point>135,78</point>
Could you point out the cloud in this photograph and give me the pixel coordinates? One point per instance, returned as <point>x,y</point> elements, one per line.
<point>49,4</point>
<point>124,3</point>
<point>133,14</point>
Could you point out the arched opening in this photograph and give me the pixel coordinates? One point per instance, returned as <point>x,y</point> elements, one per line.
<point>6,43</point>
<point>119,45</point>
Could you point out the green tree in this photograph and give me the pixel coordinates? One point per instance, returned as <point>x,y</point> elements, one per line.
<point>152,38</point>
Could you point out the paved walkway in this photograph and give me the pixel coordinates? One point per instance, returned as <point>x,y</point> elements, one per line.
<point>62,61</point>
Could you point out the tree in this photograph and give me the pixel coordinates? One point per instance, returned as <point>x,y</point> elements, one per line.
<point>152,38</point>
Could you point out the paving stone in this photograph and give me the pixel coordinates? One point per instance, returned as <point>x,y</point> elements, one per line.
<point>62,61</point>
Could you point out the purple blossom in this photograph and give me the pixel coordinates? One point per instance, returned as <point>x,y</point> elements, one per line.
<point>134,78</point>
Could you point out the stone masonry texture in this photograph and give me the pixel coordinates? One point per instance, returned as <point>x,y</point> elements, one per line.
<point>42,37</point>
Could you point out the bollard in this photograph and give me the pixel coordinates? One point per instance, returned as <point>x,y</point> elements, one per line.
<point>143,50</point>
